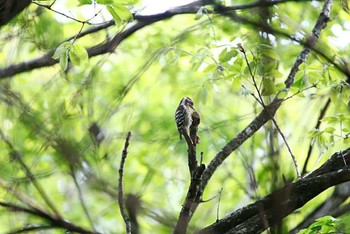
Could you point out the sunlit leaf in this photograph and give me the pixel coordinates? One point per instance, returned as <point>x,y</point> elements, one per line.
<point>269,51</point>
<point>122,11</point>
<point>64,60</point>
<point>329,129</point>
<point>78,54</point>
<point>127,2</point>
<point>60,50</point>
<point>226,55</point>
<point>114,14</point>
<point>84,2</point>
<point>269,87</point>
<point>237,84</point>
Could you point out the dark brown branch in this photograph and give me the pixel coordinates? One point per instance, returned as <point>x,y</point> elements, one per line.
<point>120,185</point>
<point>47,59</point>
<point>192,198</point>
<point>191,202</point>
<point>10,8</point>
<point>54,222</point>
<point>284,201</point>
<point>331,206</point>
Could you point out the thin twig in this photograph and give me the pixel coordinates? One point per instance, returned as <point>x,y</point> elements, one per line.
<point>49,7</point>
<point>218,207</point>
<point>288,147</point>
<point>318,124</point>
<point>82,201</point>
<point>120,185</point>
<point>240,47</point>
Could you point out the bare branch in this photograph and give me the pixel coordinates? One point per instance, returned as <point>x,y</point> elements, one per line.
<point>49,7</point>
<point>288,147</point>
<point>82,201</point>
<point>120,185</point>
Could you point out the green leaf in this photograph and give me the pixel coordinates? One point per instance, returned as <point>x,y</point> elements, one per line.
<point>122,11</point>
<point>315,77</point>
<point>269,51</point>
<point>329,130</point>
<point>199,13</point>
<point>276,74</point>
<point>60,50</point>
<point>330,119</point>
<point>84,2</point>
<point>78,54</point>
<point>64,60</point>
<point>283,94</point>
<point>226,55</point>
<point>116,17</point>
<point>269,87</point>
<point>105,2</point>
<point>127,2</point>
<point>237,83</point>
<point>315,133</point>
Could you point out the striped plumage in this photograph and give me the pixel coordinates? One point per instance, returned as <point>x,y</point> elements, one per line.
<point>183,115</point>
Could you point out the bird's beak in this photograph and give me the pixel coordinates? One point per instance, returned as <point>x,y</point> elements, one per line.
<point>192,107</point>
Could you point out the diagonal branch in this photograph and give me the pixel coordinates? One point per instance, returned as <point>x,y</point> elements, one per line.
<point>54,222</point>
<point>286,200</point>
<point>270,109</point>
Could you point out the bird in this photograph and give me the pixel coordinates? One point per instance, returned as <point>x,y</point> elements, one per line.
<point>183,117</point>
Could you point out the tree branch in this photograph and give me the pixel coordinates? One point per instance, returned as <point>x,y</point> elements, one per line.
<point>284,201</point>
<point>331,206</point>
<point>55,222</point>
<point>318,124</point>
<point>120,185</point>
<point>192,199</point>
<point>142,21</point>
<point>269,111</point>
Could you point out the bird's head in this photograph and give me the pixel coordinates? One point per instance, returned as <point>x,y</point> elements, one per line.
<point>186,101</point>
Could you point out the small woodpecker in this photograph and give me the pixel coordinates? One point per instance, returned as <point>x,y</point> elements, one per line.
<point>183,117</point>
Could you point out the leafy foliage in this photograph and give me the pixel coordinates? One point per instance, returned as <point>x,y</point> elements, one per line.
<point>69,121</point>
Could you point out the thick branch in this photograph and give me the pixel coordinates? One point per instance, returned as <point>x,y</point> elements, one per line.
<point>284,201</point>
<point>10,8</point>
